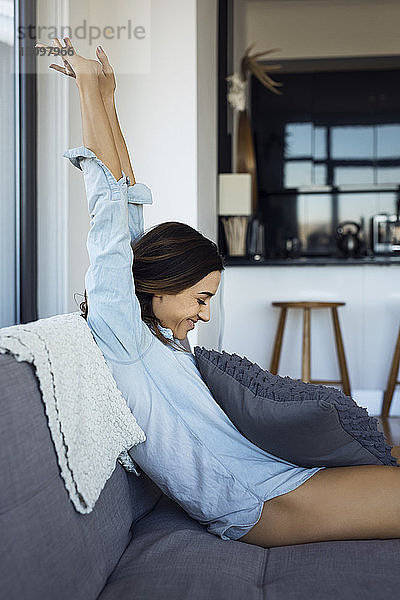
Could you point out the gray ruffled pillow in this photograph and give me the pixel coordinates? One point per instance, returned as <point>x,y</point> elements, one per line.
<point>306,424</point>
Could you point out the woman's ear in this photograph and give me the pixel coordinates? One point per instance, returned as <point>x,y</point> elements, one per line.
<point>156,304</point>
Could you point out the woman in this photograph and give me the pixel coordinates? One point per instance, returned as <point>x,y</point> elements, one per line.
<point>140,311</point>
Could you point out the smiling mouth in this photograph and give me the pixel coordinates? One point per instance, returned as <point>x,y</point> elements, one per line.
<point>192,323</point>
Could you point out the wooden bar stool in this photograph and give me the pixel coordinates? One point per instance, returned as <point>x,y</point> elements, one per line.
<point>306,357</point>
<point>392,381</point>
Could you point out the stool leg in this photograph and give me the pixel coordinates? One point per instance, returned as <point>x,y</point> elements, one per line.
<point>276,354</point>
<point>391,384</point>
<point>306,360</point>
<point>340,353</point>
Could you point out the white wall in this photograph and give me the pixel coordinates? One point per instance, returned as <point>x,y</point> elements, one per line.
<point>207,146</point>
<point>52,180</point>
<point>168,116</point>
<point>323,28</point>
<point>157,112</point>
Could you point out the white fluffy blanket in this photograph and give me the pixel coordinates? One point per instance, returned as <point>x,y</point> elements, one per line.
<point>89,420</point>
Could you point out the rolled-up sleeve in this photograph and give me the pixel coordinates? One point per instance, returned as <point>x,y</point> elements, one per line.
<point>114,314</point>
<point>138,194</point>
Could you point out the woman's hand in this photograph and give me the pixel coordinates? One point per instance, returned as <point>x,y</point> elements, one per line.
<point>107,83</point>
<point>103,80</point>
<point>103,70</point>
<point>76,66</point>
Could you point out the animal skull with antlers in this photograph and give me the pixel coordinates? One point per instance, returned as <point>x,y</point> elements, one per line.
<point>237,82</point>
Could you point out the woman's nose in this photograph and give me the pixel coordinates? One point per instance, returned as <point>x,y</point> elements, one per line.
<point>204,313</point>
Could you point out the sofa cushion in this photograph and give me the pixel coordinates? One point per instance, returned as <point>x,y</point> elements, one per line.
<point>306,424</point>
<point>47,548</point>
<point>172,556</point>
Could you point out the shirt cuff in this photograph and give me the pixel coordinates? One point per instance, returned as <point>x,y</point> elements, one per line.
<point>75,155</point>
<point>139,193</point>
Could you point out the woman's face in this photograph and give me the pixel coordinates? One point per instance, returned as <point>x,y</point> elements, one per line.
<point>180,312</point>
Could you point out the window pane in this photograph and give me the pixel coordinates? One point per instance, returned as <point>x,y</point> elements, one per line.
<point>320,175</point>
<point>388,175</point>
<point>298,172</point>
<point>298,140</point>
<point>346,175</point>
<point>388,141</point>
<point>386,203</point>
<point>320,143</point>
<point>7,166</point>
<point>359,208</point>
<point>353,142</point>
<point>315,218</point>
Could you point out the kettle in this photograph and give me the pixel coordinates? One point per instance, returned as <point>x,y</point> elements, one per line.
<point>348,238</point>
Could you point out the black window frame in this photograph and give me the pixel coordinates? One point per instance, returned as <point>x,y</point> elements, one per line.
<point>26,161</point>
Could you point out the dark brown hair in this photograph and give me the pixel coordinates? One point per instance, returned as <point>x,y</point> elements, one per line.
<point>168,259</point>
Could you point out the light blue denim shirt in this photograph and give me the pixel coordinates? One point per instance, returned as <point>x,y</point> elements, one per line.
<point>192,451</point>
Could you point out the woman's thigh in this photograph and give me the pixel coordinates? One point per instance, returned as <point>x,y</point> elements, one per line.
<point>338,503</point>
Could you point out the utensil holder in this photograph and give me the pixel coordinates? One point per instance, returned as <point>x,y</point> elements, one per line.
<point>235,229</point>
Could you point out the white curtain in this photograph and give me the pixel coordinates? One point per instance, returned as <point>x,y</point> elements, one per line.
<point>8,200</point>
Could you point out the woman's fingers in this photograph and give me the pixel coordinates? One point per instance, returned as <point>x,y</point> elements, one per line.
<point>103,58</point>
<point>42,44</point>
<point>62,70</point>
<point>56,42</point>
<point>58,68</point>
<point>76,65</point>
<point>102,55</point>
<point>72,54</point>
<point>67,69</point>
<point>68,42</point>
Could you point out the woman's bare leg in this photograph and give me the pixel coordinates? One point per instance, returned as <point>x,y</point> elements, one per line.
<point>340,503</point>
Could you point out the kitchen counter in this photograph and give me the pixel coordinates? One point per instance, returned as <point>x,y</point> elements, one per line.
<point>369,320</point>
<point>323,261</point>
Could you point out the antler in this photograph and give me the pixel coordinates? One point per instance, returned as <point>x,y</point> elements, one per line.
<point>249,63</point>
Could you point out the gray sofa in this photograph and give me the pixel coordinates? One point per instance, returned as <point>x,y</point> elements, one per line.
<point>137,544</point>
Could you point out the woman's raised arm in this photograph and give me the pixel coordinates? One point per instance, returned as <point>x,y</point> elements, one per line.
<point>107,85</point>
<point>138,193</point>
<point>96,128</point>
<point>114,313</point>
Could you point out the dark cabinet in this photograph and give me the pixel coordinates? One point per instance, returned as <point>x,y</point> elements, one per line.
<point>327,151</point>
